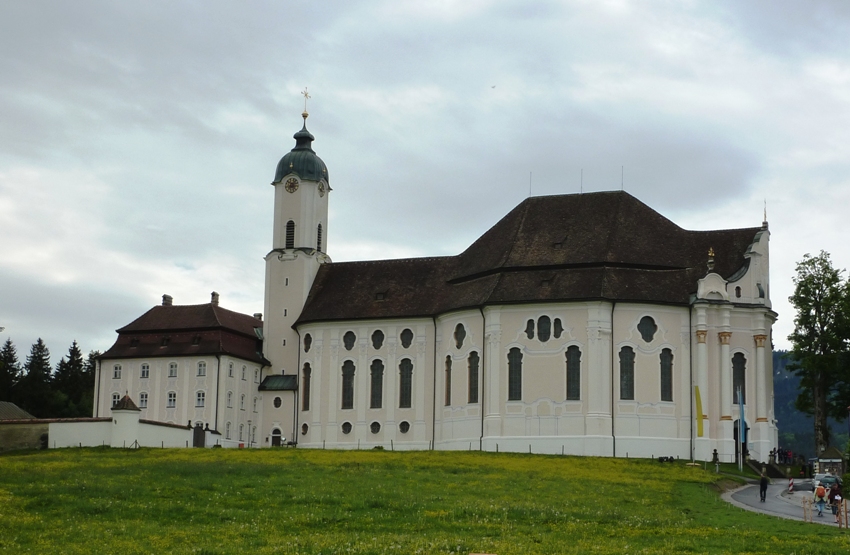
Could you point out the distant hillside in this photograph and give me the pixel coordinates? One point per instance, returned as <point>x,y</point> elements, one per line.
<point>796,429</point>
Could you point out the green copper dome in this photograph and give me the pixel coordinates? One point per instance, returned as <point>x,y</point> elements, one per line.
<point>301,160</point>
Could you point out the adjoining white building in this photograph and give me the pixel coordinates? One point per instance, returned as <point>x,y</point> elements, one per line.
<point>583,324</point>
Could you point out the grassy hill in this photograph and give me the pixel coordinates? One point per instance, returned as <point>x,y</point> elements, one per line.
<point>213,501</point>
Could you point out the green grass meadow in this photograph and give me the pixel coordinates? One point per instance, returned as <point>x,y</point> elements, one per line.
<point>215,501</point>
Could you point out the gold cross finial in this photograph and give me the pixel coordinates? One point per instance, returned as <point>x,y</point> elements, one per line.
<point>306,97</point>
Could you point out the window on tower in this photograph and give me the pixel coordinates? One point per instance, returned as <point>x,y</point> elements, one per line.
<point>319,238</point>
<point>290,234</point>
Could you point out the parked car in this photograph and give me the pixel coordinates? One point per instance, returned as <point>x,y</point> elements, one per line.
<point>826,480</point>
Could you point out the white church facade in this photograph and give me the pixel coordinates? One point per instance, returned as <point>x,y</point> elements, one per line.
<point>584,324</point>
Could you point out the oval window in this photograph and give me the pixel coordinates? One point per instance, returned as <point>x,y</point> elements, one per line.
<point>346,427</point>
<point>304,428</point>
<point>404,427</point>
<point>375,427</point>
<point>277,402</point>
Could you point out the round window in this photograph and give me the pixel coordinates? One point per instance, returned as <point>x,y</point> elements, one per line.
<point>304,428</point>
<point>375,427</point>
<point>404,427</point>
<point>346,427</point>
<point>277,402</point>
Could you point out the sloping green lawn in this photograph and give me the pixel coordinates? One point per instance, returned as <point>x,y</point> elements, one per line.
<point>215,501</point>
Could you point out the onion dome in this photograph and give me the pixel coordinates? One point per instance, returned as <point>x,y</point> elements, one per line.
<point>302,160</point>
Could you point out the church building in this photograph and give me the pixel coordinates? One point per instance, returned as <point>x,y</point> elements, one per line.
<point>582,324</point>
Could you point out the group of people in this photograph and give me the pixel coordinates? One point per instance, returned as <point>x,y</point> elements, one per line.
<point>782,456</point>
<point>824,495</point>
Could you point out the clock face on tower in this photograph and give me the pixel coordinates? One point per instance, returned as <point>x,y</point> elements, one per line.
<point>321,189</point>
<point>291,185</point>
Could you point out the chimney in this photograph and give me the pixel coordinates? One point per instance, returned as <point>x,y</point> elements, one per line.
<point>214,298</point>
<point>167,300</point>
<point>258,315</point>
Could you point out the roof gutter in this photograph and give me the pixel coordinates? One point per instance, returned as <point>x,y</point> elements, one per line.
<point>483,373</point>
<point>613,412</point>
<point>434,393</point>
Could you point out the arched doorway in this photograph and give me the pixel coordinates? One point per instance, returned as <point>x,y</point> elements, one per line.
<point>741,446</point>
<point>275,438</point>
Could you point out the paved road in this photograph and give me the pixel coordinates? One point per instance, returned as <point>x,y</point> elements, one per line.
<point>778,502</point>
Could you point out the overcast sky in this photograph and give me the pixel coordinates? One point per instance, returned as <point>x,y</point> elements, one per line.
<point>138,139</point>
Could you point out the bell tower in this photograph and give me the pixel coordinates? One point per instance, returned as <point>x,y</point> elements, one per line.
<point>301,191</point>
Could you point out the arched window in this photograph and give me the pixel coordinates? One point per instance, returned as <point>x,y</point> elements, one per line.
<point>573,373</point>
<point>230,370</point>
<point>306,373</point>
<point>202,368</point>
<point>377,339</point>
<point>529,329</point>
<point>348,385</point>
<point>146,370</point>
<point>254,406</point>
<point>227,431</point>
<point>377,375</point>
<point>143,400</point>
<point>172,370</point>
<point>515,373</point>
<point>241,430</point>
<point>319,238</point>
<point>739,375</point>
<point>473,377</point>
<point>200,398</point>
<point>290,234</point>
<point>544,328</point>
<point>559,328</point>
<point>230,399</point>
<point>406,338</point>
<point>348,340</point>
<point>460,335</point>
<point>242,402</point>
<point>244,369</point>
<point>308,342</point>
<point>171,402</point>
<point>115,398</point>
<point>405,370</point>
<point>627,374</point>
<point>666,375</point>
<point>647,328</point>
<point>116,372</point>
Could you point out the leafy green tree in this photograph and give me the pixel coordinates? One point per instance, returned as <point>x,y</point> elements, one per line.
<point>34,393</point>
<point>10,371</point>
<point>820,340</point>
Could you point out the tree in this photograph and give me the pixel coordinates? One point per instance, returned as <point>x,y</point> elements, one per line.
<point>820,340</point>
<point>70,380</point>
<point>34,392</point>
<point>10,371</point>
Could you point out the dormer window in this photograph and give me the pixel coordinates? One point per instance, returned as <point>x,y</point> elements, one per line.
<point>165,342</point>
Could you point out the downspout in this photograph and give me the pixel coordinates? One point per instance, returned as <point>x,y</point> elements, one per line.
<point>217,388</point>
<point>613,435</point>
<point>434,393</point>
<point>483,366</point>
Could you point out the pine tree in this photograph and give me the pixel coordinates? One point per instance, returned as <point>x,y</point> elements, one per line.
<point>10,371</point>
<point>70,381</point>
<point>34,393</point>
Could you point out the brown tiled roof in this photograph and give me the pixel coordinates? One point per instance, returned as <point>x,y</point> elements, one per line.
<point>593,246</point>
<point>126,404</point>
<point>189,330</point>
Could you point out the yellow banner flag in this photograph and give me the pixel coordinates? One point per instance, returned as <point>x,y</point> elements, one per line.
<point>698,402</point>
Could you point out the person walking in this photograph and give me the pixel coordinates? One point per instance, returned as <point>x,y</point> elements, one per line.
<point>820,498</point>
<point>835,499</point>
<point>763,487</point>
